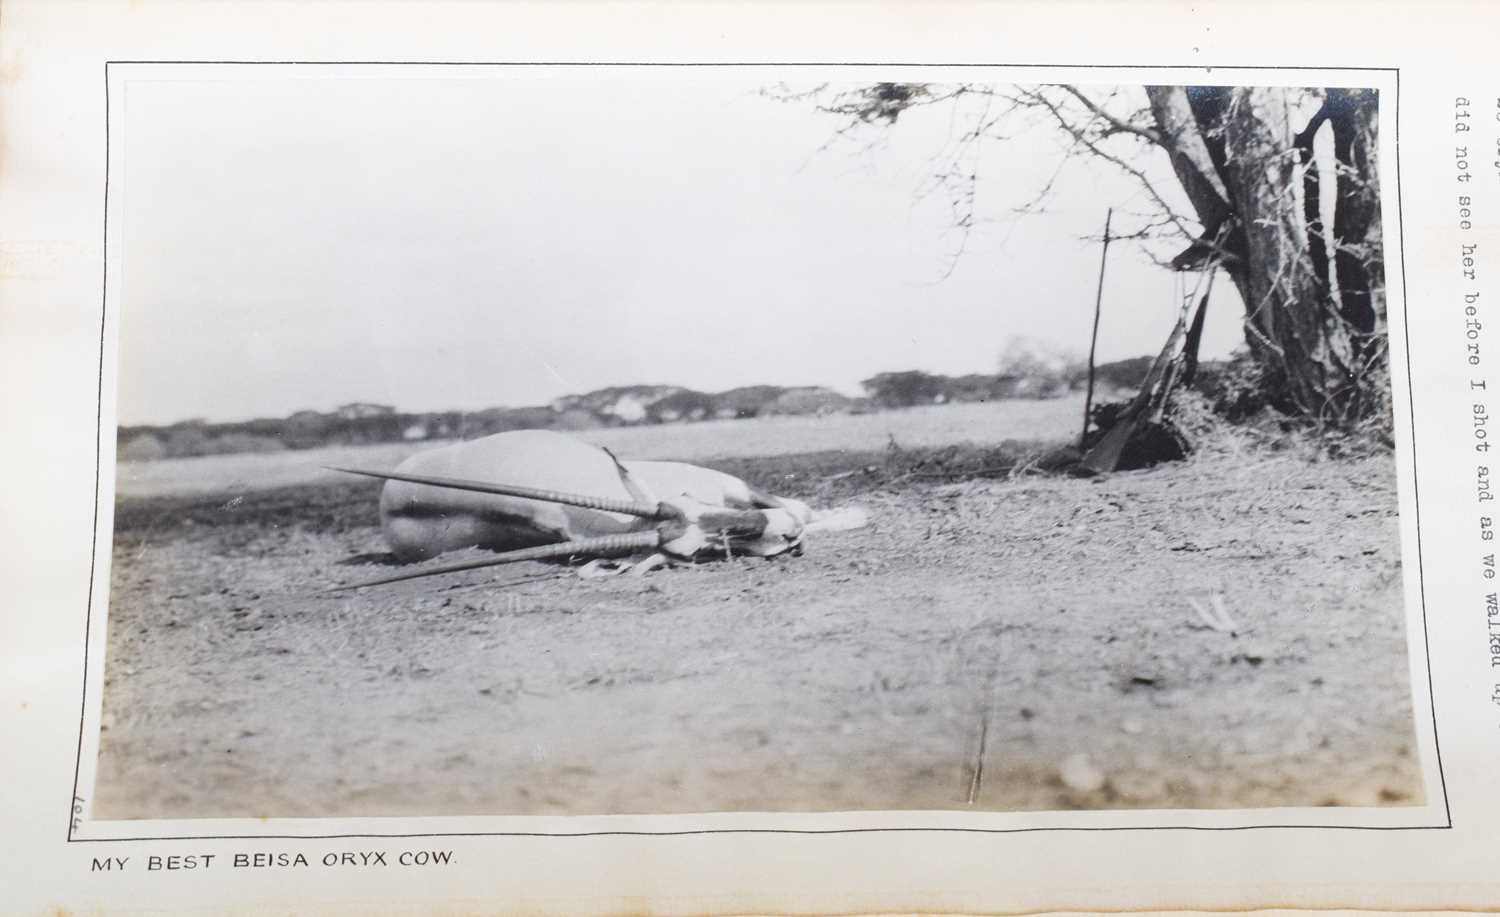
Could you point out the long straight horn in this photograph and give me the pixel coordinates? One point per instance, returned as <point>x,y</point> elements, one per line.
<point>607,504</point>
<point>603,546</point>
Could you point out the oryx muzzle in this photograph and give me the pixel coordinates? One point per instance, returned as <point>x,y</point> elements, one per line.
<point>539,495</point>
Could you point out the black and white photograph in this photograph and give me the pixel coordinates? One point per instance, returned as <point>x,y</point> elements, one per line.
<point>531,441</point>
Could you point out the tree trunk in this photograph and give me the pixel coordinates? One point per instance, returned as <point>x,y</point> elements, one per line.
<point>1314,323</point>
<point>1359,259</point>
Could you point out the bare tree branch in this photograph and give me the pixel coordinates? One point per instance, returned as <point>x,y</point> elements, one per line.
<point>1117,126</point>
<point>1093,147</point>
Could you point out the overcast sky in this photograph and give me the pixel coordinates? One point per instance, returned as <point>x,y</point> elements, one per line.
<point>300,241</point>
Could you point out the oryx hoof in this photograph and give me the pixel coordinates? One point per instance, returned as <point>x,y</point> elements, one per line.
<point>600,567</point>
<point>649,564</point>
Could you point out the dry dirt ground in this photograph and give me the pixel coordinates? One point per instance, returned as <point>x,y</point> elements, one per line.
<point>1001,644</point>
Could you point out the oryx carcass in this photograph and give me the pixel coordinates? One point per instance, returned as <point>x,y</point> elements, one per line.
<point>540,495</point>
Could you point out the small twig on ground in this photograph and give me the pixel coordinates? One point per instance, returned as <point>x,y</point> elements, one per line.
<point>1218,619</point>
<point>958,472</point>
<point>977,778</point>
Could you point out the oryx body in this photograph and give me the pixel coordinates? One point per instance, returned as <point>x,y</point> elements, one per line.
<point>421,521</point>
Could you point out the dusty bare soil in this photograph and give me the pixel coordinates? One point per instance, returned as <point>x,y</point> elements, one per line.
<point>988,644</point>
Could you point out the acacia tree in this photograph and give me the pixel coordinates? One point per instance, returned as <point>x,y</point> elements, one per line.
<point>1310,274</point>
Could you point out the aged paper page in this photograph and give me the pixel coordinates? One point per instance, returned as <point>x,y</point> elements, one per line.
<point>724,458</point>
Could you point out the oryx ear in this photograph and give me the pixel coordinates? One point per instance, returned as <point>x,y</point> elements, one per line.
<point>635,487</point>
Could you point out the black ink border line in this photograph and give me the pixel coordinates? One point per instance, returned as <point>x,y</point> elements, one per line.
<point>1411,404</point>
<point>1416,500</point>
<point>88,616</point>
<point>763,64</point>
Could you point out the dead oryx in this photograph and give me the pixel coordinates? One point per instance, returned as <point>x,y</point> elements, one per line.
<point>539,495</point>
